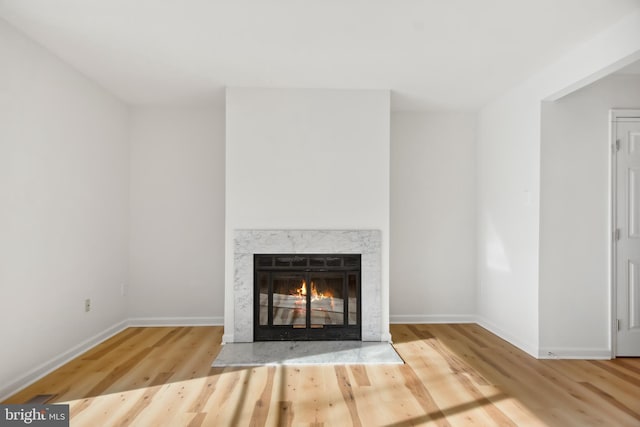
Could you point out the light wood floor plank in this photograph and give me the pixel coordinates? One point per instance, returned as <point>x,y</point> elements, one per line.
<point>455,375</point>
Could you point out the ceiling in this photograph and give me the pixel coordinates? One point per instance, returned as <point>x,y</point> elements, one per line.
<point>432,54</point>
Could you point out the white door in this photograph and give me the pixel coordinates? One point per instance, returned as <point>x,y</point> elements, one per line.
<point>627,212</point>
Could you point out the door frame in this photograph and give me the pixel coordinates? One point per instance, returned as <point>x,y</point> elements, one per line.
<point>615,115</point>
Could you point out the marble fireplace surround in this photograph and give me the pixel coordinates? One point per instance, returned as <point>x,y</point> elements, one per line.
<point>365,242</point>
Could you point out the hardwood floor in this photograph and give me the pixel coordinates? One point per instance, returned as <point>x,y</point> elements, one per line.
<point>455,375</point>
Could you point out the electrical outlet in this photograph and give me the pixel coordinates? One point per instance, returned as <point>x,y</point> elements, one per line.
<point>87,305</point>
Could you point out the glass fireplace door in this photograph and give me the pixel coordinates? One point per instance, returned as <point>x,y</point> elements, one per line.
<point>289,300</point>
<point>306,301</point>
<point>327,303</point>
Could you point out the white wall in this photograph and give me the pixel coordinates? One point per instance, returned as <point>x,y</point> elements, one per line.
<point>508,181</point>
<point>507,251</point>
<point>307,159</point>
<point>177,215</point>
<point>63,209</point>
<point>433,159</point>
<point>64,206</point>
<point>575,217</point>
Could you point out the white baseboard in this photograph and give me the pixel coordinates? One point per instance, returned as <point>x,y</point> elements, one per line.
<point>574,353</point>
<point>53,364</point>
<point>530,349</point>
<point>432,318</point>
<point>176,321</point>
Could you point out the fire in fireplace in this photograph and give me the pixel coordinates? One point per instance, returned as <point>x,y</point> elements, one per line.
<point>307,297</point>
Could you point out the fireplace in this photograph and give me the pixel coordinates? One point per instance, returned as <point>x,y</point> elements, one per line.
<point>240,318</point>
<point>307,297</point>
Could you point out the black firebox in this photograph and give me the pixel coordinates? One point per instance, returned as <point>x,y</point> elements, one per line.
<point>307,297</point>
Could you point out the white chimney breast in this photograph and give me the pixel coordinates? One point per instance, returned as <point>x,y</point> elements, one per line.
<point>305,159</point>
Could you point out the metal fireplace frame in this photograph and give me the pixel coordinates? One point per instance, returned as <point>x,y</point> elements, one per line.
<point>306,265</point>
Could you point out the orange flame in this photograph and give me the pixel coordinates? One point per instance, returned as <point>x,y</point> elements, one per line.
<point>315,295</point>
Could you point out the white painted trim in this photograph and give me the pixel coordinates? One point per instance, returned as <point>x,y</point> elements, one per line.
<point>613,249</point>
<point>176,321</point>
<point>40,371</point>
<point>575,353</point>
<point>432,318</point>
<point>227,338</point>
<point>624,114</point>
<point>532,350</point>
<point>615,115</point>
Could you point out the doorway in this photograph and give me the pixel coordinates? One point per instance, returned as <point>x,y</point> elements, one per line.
<point>625,138</point>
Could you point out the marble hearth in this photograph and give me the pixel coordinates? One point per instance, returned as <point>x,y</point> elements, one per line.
<point>364,242</point>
